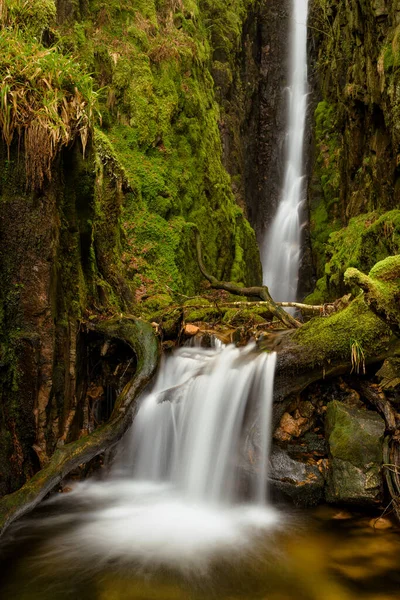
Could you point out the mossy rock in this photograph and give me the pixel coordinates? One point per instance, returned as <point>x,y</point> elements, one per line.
<point>355,439</point>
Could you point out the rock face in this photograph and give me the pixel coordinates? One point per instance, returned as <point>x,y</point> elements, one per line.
<point>297,481</point>
<point>355,440</point>
<point>355,185</point>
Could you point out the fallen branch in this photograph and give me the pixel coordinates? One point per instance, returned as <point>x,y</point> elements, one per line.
<point>140,337</point>
<point>320,309</point>
<point>252,292</point>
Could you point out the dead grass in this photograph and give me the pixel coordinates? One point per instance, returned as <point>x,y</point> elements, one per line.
<point>45,101</point>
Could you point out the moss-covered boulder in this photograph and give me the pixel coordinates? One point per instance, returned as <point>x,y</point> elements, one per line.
<point>355,439</point>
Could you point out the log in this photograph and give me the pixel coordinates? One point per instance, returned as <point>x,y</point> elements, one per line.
<point>140,337</point>
<point>322,347</point>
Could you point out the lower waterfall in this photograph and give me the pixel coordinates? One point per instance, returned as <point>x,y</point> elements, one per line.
<point>188,429</point>
<point>174,495</point>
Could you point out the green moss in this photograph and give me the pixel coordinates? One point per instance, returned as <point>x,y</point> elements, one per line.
<point>366,240</point>
<point>324,214</point>
<point>350,442</point>
<point>387,270</point>
<point>331,335</point>
<point>165,137</point>
<point>34,16</point>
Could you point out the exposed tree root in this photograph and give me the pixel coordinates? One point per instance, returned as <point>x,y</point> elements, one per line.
<point>252,292</point>
<point>140,337</point>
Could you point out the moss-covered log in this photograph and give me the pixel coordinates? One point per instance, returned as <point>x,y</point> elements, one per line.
<point>140,337</point>
<point>360,334</point>
<point>323,347</point>
<point>381,290</point>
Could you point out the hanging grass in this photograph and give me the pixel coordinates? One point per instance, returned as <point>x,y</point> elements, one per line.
<point>46,102</point>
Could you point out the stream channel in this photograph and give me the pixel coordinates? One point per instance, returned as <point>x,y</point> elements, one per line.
<point>185,509</point>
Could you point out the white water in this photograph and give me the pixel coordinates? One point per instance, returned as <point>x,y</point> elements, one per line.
<point>281,254</point>
<point>188,430</point>
<point>173,497</point>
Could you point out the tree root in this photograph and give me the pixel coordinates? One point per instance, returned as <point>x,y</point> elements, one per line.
<point>252,292</point>
<point>140,337</point>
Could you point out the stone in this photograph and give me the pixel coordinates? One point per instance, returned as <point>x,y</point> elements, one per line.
<point>381,523</point>
<point>191,330</point>
<point>343,515</point>
<point>292,426</point>
<point>355,439</point>
<point>299,482</point>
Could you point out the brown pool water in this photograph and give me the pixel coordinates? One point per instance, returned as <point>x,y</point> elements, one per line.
<point>326,554</point>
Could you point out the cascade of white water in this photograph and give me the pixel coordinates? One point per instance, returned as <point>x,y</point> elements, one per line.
<point>281,253</point>
<point>172,496</point>
<point>188,429</point>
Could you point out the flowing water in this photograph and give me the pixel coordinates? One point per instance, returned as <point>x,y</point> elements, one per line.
<point>281,253</point>
<point>184,515</point>
<point>177,495</point>
<point>176,519</point>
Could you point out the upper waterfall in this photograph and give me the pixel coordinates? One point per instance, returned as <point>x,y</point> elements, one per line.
<point>281,252</point>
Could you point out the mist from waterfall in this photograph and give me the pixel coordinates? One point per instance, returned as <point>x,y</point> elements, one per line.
<point>282,244</point>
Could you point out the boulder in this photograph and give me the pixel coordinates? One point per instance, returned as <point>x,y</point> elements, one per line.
<point>301,483</point>
<point>355,439</point>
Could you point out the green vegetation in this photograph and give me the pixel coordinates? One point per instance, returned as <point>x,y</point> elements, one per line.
<point>355,185</point>
<point>158,139</point>
<point>159,114</point>
<point>324,213</point>
<point>331,336</point>
<point>366,240</point>
<point>45,99</point>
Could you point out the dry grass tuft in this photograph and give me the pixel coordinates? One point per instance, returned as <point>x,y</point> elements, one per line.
<point>45,101</point>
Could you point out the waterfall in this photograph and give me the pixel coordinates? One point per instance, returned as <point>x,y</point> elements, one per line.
<point>174,496</point>
<point>188,429</point>
<point>281,253</point>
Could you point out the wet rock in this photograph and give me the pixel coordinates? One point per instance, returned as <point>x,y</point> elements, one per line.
<point>191,330</point>
<point>343,515</point>
<point>381,523</point>
<point>310,443</point>
<point>355,440</point>
<point>295,425</point>
<point>293,480</point>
